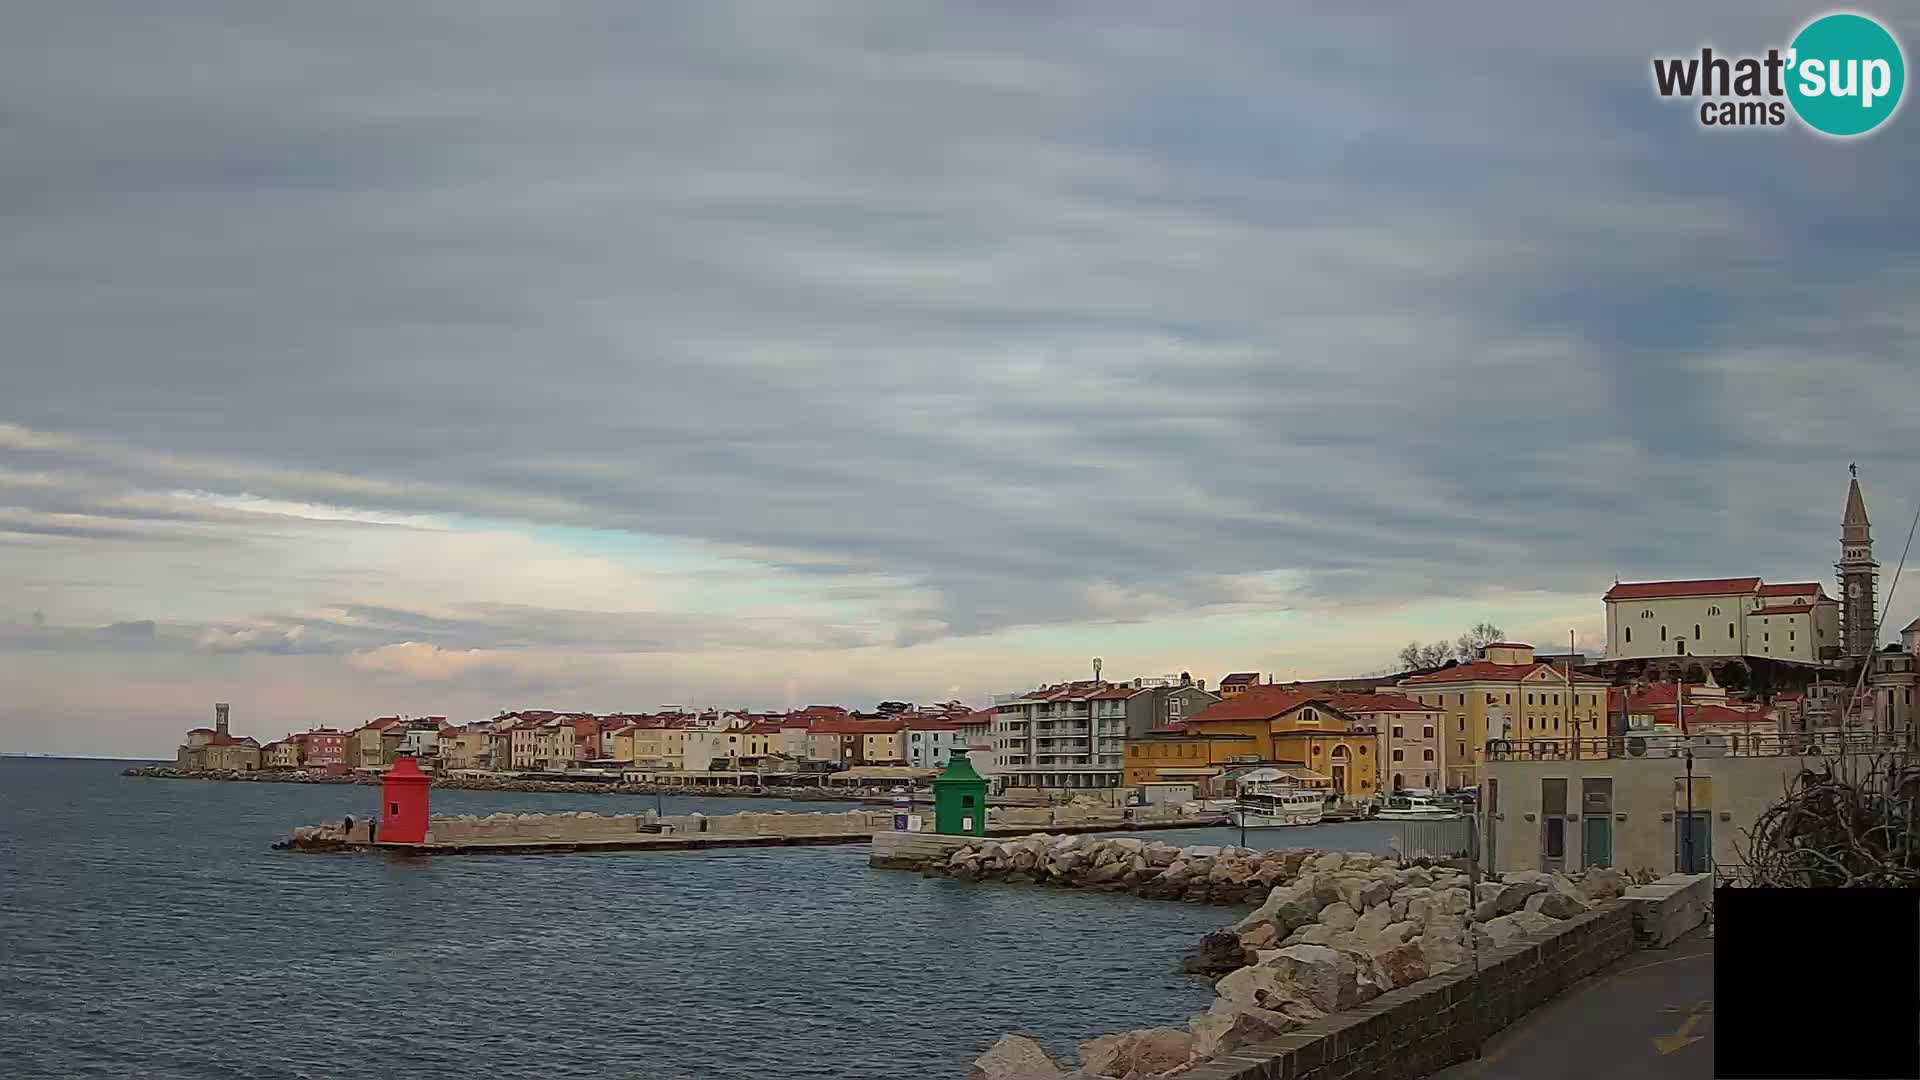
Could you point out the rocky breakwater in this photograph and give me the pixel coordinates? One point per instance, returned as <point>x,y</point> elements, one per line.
<point>1201,874</point>
<point>1338,931</point>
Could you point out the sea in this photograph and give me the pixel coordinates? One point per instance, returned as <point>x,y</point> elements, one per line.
<point>148,929</point>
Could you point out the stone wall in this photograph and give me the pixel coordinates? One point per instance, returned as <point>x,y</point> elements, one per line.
<point>1429,1025</point>
<point>586,827</point>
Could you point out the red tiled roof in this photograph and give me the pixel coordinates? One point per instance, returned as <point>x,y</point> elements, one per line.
<point>1113,693</point>
<point>1782,609</point>
<point>1912,627</point>
<point>1258,703</point>
<point>764,728</point>
<point>931,724</point>
<point>1488,671</point>
<point>201,731</point>
<point>858,727</point>
<point>1656,590</point>
<point>1797,588</point>
<point>1370,703</point>
<point>1177,727</point>
<point>1239,677</point>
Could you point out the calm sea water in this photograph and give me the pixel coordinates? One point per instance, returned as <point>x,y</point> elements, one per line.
<point>146,928</point>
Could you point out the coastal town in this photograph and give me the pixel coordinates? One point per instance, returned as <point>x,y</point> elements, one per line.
<point>1729,673</point>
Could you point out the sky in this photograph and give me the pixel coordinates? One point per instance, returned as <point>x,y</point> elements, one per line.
<point>446,357</point>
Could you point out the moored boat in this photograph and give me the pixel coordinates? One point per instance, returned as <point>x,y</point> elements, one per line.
<point>1272,806</point>
<point>1410,806</point>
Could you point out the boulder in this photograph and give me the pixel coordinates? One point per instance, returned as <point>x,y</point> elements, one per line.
<point>1359,860</point>
<point>1444,949</point>
<point>1131,845</point>
<point>1554,905</point>
<point>1452,901</point>
<point>1393,934</point>
<point>1217,954</point>
<point>1265,986</point>
<point>1162,855</point>
<point>1505,928</point>
<point>1338,916</point>
<point>1603,883</point>
<point>1415,904</point>
<point>1260,935</point>
<point>1361,892</point>
<point>1417,877</point>
<point>1328,861</point>
<point>1329,977</point>
<point>1110,872</point>
<point>1403,965</point>
<point>1376,918</point>
<point>1513,896</point>
<point>1226,1027</point>
<point>1014,1057</point>
<point>1144,1052</point>
<point>1320,934</point>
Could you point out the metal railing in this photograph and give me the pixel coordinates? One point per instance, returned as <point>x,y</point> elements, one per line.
<point>1729,744</point>
<point>1434,839</point>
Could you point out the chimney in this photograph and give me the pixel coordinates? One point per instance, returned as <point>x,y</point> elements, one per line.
<point>1201,684</point>
<point>220,718</point>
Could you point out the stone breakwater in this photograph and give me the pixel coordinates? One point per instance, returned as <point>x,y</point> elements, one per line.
<point>1332,931</point>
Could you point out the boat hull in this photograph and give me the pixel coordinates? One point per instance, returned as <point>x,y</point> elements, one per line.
<point>1243,818</point>
<point>1417,815</point>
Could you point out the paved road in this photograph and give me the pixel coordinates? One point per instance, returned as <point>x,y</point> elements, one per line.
<point>1649,1016</point>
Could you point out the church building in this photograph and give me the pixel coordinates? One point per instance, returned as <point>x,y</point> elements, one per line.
<point>1747,617</point>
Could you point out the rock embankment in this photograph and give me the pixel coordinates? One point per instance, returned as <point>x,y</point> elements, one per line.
<point>1334,931</point>
<point>1150,868</point>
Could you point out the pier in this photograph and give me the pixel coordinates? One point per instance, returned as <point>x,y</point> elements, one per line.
<point>545,834</point>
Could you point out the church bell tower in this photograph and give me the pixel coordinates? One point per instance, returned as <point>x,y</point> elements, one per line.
<point>1859,574</point>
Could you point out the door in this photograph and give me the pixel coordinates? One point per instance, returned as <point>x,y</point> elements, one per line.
<point>1596,846</point>
<point>1692,842</point>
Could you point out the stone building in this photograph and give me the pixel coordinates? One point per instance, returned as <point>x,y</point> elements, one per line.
<point>215,747</point>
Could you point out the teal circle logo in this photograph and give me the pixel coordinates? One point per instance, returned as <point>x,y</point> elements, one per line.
<point>1845,74</point>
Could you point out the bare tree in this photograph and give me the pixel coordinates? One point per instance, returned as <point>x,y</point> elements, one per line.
<point>1469,644</point>
<point>1415,656</point>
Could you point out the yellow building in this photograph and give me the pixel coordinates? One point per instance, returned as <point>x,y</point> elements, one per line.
<point>1267,725</point>
<point>1508,695</point>
<point>666,745</point>
<point>284,754</point>
<point>883,746</point>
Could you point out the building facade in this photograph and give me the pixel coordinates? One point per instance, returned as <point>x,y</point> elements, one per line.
<point>1158,702</point>
<point>930,743</point>
<point>1065,736</point>
<point>1296,730</point>
<point>1508,695</point>
<point>1722,617</point>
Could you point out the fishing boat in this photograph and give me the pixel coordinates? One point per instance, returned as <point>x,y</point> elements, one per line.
<point>1411,806</point>
<point>1271,806</point>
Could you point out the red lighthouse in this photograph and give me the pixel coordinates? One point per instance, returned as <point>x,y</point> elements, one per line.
<point>403,795</point>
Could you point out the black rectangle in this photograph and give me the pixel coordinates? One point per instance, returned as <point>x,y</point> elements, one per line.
<point>1816,983</point>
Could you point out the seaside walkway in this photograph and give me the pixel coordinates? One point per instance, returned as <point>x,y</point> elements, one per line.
<point>1648,1016</point>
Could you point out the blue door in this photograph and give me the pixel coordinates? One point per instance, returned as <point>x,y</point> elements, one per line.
<point>1692,842</point>
<point>1596,843</point>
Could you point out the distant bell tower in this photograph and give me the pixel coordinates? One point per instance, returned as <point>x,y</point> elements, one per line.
<point>220,719</point>
<point>1859,574</point>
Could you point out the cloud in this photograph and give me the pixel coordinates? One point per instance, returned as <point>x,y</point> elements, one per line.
<point>788,331</point>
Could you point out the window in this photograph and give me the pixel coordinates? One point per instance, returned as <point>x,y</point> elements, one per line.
<point>1729,630</point>
<point>1556,699</point>
<point>1399,755</point>
<point>1489,699</point>
<point>1363,749</point>
<point>1399,732</point>
<point>1459,723</point>
<point>1647,614</point>
<point>1509,699</point>
<point>1696,631</point>
<point>1766,637</point>
<point>1460,751</point>
<point>1529,723</point>
<point>1427,754</point>
<point>1427,732</point>
<point>1789,635</point>
<point>1663,633</point>
<point>1629,633</point>
<point>1529,699</point>
<point>1713,611</point>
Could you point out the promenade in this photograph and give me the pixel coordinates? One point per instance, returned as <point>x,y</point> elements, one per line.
<point>1648,1016</point>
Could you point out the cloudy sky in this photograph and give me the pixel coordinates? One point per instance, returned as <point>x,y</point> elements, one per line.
<point>444,357</point>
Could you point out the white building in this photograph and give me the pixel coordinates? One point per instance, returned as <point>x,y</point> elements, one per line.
<point>929,743</point>
<point>1721,617</point>
<point>1072,735</point>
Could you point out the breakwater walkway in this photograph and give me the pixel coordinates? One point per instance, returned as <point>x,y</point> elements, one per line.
<point>537,834</point>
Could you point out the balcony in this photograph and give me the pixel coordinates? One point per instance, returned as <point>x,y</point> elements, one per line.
<point>1674,745</point>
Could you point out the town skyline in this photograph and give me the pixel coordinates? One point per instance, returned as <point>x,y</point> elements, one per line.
<point>366,360</point>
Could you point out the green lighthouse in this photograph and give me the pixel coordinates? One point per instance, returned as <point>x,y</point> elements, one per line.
<point>960,799</point>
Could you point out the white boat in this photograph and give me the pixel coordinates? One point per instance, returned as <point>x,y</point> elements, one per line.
<point>1272,806</point>
<point>1406,806</point>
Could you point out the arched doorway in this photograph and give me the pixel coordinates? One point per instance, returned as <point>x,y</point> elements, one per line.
<point>1399,782</point>
<point>1337,768</point>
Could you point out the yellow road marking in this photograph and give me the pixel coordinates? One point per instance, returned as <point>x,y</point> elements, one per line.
<point>1683,1038</point>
